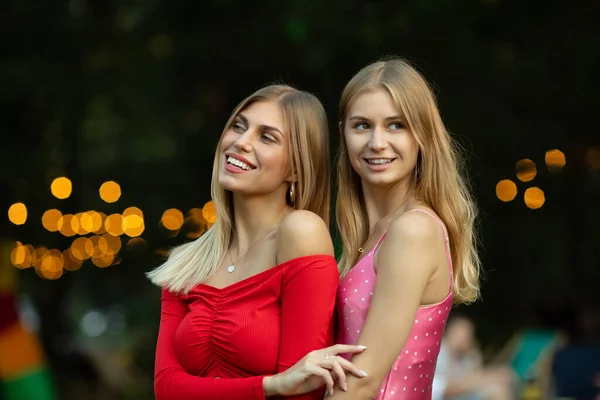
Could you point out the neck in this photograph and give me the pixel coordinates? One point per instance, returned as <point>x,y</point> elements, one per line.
<point>382,202</point>
<point>254,216</point>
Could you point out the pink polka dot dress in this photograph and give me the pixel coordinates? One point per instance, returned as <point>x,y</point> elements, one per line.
<point>411,375</point>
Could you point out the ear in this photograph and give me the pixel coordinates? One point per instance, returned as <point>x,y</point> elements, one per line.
<point>340,128</point>
<point>292,178</point>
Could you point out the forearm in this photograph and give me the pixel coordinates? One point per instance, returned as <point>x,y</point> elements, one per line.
<point>178,385</point>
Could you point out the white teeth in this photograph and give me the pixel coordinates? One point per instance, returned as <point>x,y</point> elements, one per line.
<point>379,161</point>
<point>238,163</point>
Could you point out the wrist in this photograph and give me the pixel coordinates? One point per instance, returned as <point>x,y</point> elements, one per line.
<point>270,385</point>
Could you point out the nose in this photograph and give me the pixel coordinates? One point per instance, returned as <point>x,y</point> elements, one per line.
<point>244,142</point>
<point>377,142</point>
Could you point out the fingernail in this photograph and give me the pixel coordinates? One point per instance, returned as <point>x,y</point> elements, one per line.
<point>331,392</point>
<point>345,386</point>
<point>363,373</point>
<point>362,347</point>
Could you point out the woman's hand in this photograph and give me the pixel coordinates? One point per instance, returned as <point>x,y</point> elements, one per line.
<point>317,368</point>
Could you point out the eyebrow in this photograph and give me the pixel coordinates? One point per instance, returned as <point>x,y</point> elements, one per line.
<point>263,127</point>
<point>360,117</point>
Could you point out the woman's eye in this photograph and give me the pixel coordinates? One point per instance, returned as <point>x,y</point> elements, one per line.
<point>361,126</point>
<point>238,127</point>
<point>268,138</point>
<point>396,126</point>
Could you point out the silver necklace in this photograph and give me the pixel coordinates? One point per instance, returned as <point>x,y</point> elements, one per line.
<point>231,266</point>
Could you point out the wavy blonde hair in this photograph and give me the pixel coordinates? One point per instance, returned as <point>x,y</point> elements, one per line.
<point>306,122</point>
<point>439,181</point>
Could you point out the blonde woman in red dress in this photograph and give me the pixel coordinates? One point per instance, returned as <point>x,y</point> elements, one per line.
<point>254,294</point>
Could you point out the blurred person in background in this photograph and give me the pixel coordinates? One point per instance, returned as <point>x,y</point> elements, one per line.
<point>460,374</point>
<point>256,292</point>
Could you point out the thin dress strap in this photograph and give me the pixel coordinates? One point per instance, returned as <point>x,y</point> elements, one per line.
<point>446,240</point>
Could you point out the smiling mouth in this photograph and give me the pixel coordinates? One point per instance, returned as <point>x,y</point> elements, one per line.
<point>240,164</point>
<point>379,161</point>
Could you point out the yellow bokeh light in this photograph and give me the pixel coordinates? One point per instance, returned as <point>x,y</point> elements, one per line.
<point>526,170</point>
<point>209,212</point>
<point>20,257</point>
<point>105,260</point>
<point>555,160</point>
<point>50,219</point>
<point>99,219</point>
<point>51,266</point>
<point>86,222</point>
<point>506,190</point>
<point>17,213</point>
<point>133,225</point>
<point>68,225</point>
<point>61,188</point>
<point>71,263</point>
<point>592,158</point>
<point>133,222</point>
<point>113,244</point>
<point>114,224</point>
<point>194,225</point>
<point>100,246</point>
<point>82,248</point>
<point>534,198</point>
<point>110,191</point>
<point>76,224</point>
<point>172,219</point>
<point>137,245</point>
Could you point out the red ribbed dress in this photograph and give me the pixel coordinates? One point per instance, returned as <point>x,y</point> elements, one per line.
<point>218,344</point>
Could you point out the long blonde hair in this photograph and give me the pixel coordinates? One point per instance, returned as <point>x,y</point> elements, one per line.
<point>306,122</point>
<point>439,182</point>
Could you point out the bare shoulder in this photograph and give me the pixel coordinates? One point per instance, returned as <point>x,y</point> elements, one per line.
<point>303,233</point>
<point>414,227</point>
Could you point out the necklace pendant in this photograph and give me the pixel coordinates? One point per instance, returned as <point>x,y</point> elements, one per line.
<point>360,249</point>
<point>231,268</point>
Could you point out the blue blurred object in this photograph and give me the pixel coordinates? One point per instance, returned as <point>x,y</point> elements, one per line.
<point>574,369</point>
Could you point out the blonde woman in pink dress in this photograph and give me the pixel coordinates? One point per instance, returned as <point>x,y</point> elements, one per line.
<point>406,220</point>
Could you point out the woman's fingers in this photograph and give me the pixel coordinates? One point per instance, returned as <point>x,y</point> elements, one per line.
<point>344,348</point>
<point>339,372</point>
<point>348,366</point>
<point>323,373</point>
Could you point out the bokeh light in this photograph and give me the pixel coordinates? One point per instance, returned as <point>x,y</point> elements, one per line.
<point>526,170</point>
<point>86,222</point>
<point>50,219</point>
<point>61,188</point>
<point>78,226</point>
<point>113,244</point>
<point>555,160</point>
<point>71,263</point>
<point>20,256</point>
<point>51,266</point>
<point>68,225</point>
<point>194,224</point>
<point>506,190</point>
<point>17,213</point>
<point>82,248</point>
<point>534,198</point>
<point>137,246</point>
<point>110,191</point>
<point>99,219</point>
<point>133,222</point>
<point>209,212</point>
<point>114,224</point>
<point>172,219</point>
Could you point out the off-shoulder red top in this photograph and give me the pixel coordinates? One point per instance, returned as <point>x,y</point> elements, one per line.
<point>217,344</point>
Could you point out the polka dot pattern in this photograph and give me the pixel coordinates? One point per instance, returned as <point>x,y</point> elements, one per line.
<point>411,376</point>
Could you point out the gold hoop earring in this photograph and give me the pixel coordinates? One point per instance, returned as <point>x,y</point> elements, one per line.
<point>292,194</point>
